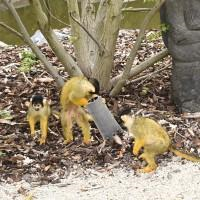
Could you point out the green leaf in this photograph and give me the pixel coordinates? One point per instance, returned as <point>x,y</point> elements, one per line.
<point>2,154</point>
<point>164,27</point>
<point>152,36</point>
<point>28,60</point>
<point>73,39</point>
<point>5,114</point>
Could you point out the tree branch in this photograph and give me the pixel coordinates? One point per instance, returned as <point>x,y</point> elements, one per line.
<point>54,17</point>
<point>148,76</point>
<point>15,32</point>
<point>142,66</point>
<point>134,50</point>
<point>101,50</point>
<point>70,65</point>
<point>51,69</point>
<point>135,9</point>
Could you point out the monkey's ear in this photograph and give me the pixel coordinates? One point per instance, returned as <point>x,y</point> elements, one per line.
<point>46,101</point>
<point>124,118</point>
<point>127,118</point>
<point>95,83</point>
<point>27,103</point>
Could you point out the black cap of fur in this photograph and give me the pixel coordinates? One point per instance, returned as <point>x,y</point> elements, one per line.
<point>37,99</point>
<point>95,82</point>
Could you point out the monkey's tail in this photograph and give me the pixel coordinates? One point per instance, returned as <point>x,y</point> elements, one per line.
<point>184,155</point>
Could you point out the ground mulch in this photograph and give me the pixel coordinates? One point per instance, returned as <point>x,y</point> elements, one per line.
<point>21,157</point>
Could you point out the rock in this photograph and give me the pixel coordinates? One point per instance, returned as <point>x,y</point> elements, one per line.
<point>39,39</point>
<point>182,38</point>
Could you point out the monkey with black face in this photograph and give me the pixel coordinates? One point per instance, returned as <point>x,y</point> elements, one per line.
<point>39,111</point>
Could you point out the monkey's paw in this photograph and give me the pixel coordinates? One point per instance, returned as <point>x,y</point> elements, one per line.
<point>33,135</point>
<point>146,169</point>
<point>67,141</point>
<point>42,141</point>
<point>87,141</point>
<point>135,152</point>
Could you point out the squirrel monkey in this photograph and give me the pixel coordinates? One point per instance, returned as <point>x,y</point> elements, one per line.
<point>155,140</point>
<point>76,93</point>
<point>39,111</point>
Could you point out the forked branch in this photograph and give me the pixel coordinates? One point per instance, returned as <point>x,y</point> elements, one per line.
<point>134,50</point>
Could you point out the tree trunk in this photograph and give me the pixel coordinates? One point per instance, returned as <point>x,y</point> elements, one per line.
<point>79,38</point>
<point>107,26</point>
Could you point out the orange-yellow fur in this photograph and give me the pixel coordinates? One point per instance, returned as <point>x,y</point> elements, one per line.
<point>76,93</point>
<point>153,138</point>
<point>42,116</point>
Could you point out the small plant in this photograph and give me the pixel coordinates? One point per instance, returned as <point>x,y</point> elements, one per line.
<point>28,60</point>
<point>152,36</point>
<point>5,114</point>
<point>144,91</point>
<point>164,27</point>
<point>73,39</point>
<point>2,154</point>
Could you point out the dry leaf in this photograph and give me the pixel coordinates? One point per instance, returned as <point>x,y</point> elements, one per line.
<point>5,121</point>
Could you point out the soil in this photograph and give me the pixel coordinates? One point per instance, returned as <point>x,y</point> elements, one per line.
<point>23,159</point>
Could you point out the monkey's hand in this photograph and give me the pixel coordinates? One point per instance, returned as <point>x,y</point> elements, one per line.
<point>80,102</point>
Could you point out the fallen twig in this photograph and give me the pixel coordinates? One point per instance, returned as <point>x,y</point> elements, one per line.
<point>26,79</point>
<point>191,115</point>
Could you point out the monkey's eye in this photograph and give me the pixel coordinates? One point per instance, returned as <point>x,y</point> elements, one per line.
<point>37,106</point>
<point>91,92</point>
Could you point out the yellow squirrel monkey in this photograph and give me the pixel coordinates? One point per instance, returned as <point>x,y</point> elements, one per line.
<point>76,93</point>
<point>39,111</point>
<point>153,138</point>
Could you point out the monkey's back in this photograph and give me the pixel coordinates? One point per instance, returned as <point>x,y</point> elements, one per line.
<point>67,88</point>
<point>153,135</point>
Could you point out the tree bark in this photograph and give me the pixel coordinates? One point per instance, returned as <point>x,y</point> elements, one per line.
<point>88,20</point>
<point>107,26</point>
<point>79,38</point>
